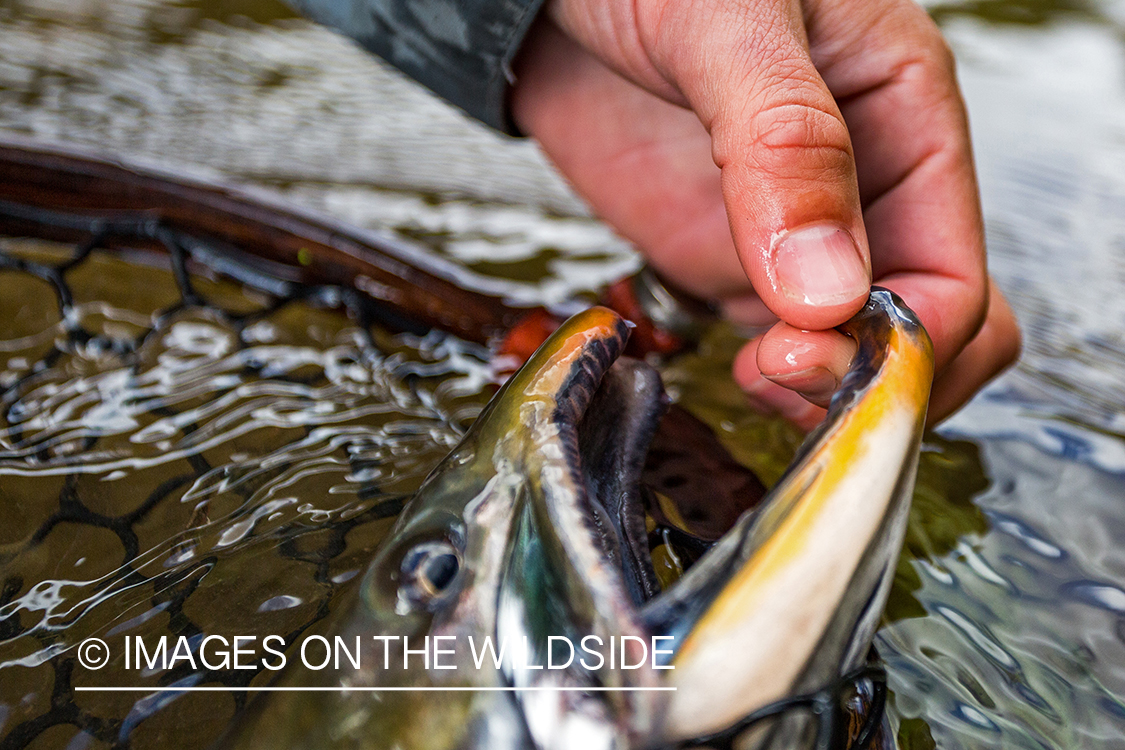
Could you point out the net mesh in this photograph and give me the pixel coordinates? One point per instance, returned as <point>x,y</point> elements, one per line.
<point>141,473</point>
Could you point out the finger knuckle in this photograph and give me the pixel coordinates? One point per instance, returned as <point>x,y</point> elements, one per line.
<point>929,59</point>
<point>800,135</point>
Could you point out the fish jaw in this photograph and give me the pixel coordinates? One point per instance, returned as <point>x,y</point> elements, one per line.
<point>790,598</point>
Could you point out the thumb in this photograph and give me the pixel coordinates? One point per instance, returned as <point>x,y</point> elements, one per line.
<point>788,173</point>
<point>788,179</point>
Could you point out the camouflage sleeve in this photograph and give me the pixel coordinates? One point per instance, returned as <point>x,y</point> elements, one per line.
<point>461,49</point>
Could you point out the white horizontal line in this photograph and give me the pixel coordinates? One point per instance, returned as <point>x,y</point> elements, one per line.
<point>365,689</point>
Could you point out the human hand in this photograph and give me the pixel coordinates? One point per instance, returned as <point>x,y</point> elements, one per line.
<point>775,158</point>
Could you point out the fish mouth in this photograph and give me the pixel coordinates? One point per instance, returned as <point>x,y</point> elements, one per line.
<point>613,440</point>
<point>655,476</point>
<point>579,561</point>
<point>785,601</point>
<point>610,411</point>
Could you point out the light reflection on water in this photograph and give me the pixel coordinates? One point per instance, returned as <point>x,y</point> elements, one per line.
<point>1005,627</point>
<point>1021,645</point>
<point>222,478</point>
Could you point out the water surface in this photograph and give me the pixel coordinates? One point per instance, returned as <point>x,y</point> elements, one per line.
<point>245,474</point>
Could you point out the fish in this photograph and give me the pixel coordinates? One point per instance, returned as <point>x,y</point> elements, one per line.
<point>530,535</point>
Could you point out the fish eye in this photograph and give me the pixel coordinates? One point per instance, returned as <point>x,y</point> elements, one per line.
<point>428,570</point>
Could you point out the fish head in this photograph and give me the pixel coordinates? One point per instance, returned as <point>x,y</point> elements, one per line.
<point>513,539</point>
<point>531,532</point>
